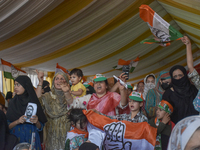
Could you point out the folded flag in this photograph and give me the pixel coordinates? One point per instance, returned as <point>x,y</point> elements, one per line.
<point>131,63</point>
<point>61,69</point>
<point>161,29</point>
<point>123,134</point>
<point>10,71</point>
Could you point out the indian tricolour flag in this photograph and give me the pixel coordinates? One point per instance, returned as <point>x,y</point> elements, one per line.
<point>123,135</point>
<point>11,71</point>
<point>131,63</point>
<point>161,29</point>
<point>61,69</point>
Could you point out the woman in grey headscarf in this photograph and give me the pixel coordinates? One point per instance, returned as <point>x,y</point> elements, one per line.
<point>55,105</point>
<point>186,134</point>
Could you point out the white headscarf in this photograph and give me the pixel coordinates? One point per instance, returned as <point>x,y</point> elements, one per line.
<point>182,132</point>
<point>148,86</point>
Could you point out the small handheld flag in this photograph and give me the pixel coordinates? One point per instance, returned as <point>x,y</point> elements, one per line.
<point>132,64</point>
<point>10,71</point>
<point>61,69</point>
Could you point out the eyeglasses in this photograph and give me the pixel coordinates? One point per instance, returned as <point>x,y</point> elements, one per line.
<point>17,84</point>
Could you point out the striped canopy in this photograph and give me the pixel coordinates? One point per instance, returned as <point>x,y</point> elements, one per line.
<point>94,34</point>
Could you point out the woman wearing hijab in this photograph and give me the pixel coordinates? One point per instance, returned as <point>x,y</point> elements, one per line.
<point>154,96</point>
<point>55,105</point>
<point>182,93</point>
<point>18,126</point>
<point>185,135</point>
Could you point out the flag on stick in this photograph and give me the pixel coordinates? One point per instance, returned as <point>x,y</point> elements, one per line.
<point>132,64</point>
<point>164,33</point>
<point>61,69</point>
<point>10,71</point>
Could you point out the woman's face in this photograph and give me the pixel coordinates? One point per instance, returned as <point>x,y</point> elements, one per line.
<point>100,87</point>
<point>59,79</point>
<point>177,74</point>
<point>194,142</point>
<point>150,80</point>
<point>18,88</point>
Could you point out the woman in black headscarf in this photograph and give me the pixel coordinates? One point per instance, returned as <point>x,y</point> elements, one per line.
<point>181,94</point>
<point>18,126</point>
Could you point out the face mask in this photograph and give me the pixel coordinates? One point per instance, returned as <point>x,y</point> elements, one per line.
<point>165,86</point>
<point>150,85</point>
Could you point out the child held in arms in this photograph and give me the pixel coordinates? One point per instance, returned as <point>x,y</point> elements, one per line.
<point>163,123</point>
<point>77,88</point>
<point>135,104</point>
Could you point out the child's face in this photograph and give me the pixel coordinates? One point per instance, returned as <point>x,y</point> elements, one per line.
<point>75,79</point>
<point>160,113</point>
<point>84,125</point>
<point>134,105</point>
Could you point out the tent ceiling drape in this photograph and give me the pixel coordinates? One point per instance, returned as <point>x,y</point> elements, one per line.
<point>93,34</point>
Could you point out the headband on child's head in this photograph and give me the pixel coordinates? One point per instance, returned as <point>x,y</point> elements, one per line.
<point>166,106</point>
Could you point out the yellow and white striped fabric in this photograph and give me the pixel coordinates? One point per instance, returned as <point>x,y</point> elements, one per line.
<point>93,34</point>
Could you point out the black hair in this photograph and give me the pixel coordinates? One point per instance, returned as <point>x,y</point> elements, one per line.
<point>106,81</point>
<point>76,115</point>
<point>8,95</point>
<point>150,76</point>
<point>88,146</point>
<point>77,72</point>
<point>140,82</point>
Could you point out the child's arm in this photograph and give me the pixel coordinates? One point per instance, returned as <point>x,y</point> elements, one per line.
<point>77,93</point>
<point>162,125</point>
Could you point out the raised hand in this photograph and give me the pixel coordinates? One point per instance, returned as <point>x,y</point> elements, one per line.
<point>40,75</point>
<point>186,40</point>
<point>115,137</point>
<point>166,118</point>
<point>123,77</point>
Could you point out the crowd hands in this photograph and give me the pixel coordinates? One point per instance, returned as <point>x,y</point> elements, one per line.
<point>163,102</point>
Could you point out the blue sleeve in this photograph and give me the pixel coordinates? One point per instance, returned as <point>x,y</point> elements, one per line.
<point>42,126</point>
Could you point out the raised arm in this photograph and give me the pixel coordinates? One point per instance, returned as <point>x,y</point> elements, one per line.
<point>39,86</point>
<point>123,90</point>
<point>187,42</point>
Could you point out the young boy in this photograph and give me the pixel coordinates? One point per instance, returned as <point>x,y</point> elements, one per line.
<point>77,88</point>
<point>135,104</point>
<point>163,124</point>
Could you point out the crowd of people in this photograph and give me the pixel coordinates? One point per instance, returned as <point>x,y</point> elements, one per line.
<point>57,117</point>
